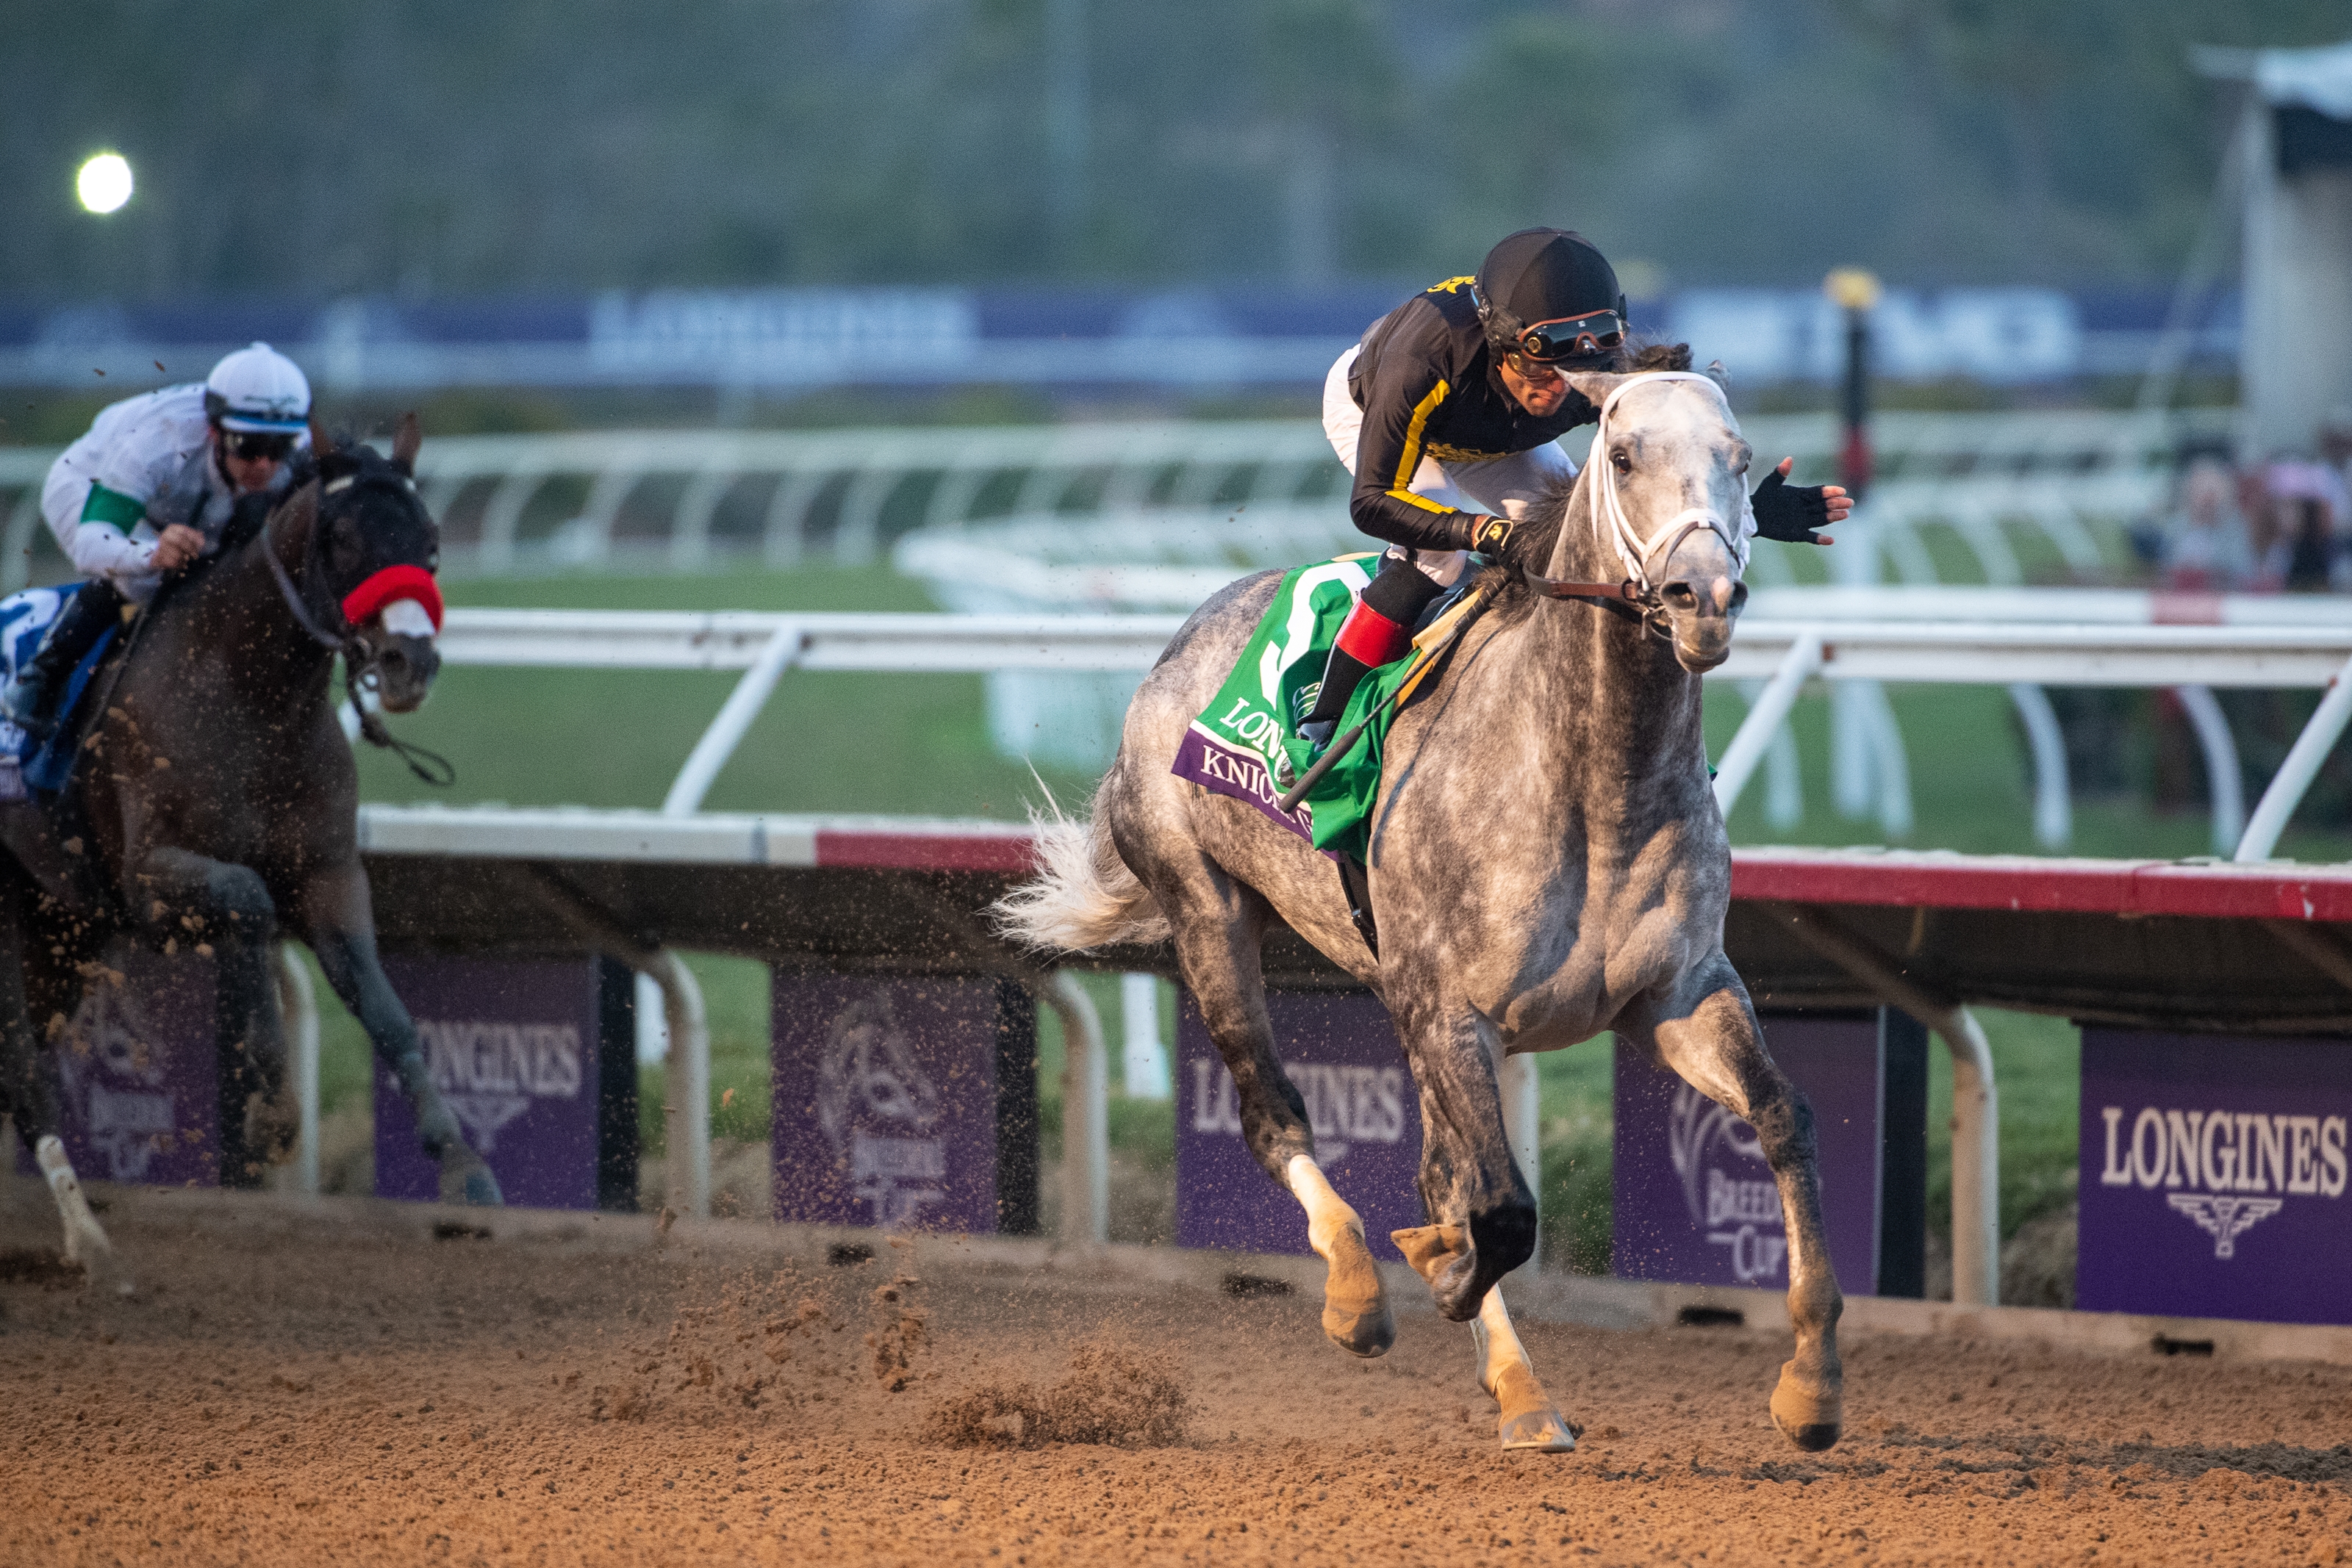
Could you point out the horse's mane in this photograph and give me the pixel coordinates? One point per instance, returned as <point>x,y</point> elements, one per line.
<point>1540,527</point>
<point>347,455</point>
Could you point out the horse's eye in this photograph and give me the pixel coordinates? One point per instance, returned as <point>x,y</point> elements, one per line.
<point>1624,463</point>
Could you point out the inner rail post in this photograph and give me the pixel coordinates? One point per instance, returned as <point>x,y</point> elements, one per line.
<point>1976,1107</point>
<point>2301,767</point>
<point>1765,717</point>
<point>734,721</point>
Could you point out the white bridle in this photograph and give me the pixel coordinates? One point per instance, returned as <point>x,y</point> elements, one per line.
<point>1608,511</point>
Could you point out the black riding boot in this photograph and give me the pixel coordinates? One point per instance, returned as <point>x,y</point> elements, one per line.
<point>33,700</point>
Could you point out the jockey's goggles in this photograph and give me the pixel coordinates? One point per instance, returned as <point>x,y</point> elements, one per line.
<point>1572,337</point>
<point>252,446</point>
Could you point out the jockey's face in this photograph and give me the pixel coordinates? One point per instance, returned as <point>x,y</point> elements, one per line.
<point>1539,389</point>
<point>249,463</point>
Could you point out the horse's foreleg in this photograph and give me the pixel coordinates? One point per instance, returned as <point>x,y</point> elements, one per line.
<point>1528,1418</point>
<point>1717,1048</point>
<point>339,926</point>
<point>1482,1213</point>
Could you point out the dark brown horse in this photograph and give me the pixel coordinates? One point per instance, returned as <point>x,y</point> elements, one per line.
<point>216,803</point>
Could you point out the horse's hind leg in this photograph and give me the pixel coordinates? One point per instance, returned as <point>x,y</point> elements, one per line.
<point>1714,1042</point>
<point>25,1088</point>
<point>228,909</point>
<point>1218,926</point>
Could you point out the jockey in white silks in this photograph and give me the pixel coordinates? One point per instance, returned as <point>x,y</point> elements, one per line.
<point>148,490</point>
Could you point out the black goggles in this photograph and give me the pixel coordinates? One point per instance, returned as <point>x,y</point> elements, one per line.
<point>1573,336</point>
<point>251,445</point>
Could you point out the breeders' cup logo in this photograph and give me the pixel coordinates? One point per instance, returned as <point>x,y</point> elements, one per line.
<point>869,1074</point>
<point>2227,1155</point>
<point>109,1069</point>
<point>1344,1104</point>
<point>1737,1208</point>
<point>491,1069</point>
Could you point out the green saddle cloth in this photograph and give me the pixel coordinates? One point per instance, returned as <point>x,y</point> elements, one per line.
<point>1246,745</point>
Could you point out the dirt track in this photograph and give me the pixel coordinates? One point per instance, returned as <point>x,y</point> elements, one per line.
<point>347,1388</point>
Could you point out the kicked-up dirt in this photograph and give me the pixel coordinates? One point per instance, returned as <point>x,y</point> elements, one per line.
<point>356,1381</point>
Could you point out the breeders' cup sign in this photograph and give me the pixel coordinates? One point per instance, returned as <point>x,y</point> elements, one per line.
<point>1695,1201</point>
<point>135,1089</point>
<point>2212,1177</point>
<point>1342,1051</point>
<point>886,1101</point>
<point>513,1047</point>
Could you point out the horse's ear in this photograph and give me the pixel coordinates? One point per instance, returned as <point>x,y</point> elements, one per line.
<point>406,437</point>
<point>1596,385</point>
<point>322,445</point>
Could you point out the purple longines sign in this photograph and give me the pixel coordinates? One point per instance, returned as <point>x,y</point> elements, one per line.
<point>1342,1051</point>
<point>1695,1201</point>
<point>886,1101</point>
<point>2213,1171</point>
<point>513,1047</point>
<point>137,1096</point>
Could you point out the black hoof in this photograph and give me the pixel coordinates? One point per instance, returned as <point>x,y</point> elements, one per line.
<point>1813,1440</point>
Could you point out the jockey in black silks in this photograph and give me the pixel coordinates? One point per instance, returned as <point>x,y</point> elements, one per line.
<point>1448,413</point>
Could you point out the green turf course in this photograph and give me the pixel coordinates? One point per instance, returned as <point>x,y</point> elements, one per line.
<point>919,743</point>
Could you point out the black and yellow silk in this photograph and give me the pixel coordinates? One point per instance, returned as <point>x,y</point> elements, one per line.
<point>1429,388</point>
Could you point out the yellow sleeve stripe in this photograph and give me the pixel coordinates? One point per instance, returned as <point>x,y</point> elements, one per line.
<point>1421,412</point>
<point>1423,502</point>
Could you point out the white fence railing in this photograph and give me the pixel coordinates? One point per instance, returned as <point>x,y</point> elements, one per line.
<point>1771,660</point>
<point>686,499</point>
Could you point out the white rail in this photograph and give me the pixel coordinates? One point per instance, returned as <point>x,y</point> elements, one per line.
<point>1782,652</point>
<point>688,498</point>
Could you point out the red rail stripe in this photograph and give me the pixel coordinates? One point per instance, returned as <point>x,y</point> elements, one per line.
<point>1813,876</point>
<point>2072,886</point>
<point>876,850</point>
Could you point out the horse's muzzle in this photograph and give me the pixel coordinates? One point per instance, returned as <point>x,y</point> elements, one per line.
<point>1702,615</point>
<point>405,668</point>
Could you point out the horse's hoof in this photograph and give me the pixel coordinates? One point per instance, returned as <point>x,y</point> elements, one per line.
<point>1811,1420</point>
<point>1356,1315</point>
<point>467,1178</point>
<point>1544,1431</point>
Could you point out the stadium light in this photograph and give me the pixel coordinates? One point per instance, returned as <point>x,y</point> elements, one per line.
<point>104,183</point>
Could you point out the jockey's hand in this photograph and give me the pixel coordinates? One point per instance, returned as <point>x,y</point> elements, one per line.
<point>1495,537</point>
<point>175,546</point>
<point>1790,513</point>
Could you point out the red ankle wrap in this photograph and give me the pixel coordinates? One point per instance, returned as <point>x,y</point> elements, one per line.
<point>1370,638</point>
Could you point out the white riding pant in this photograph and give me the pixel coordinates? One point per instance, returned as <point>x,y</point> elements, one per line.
<point>1502,486</point>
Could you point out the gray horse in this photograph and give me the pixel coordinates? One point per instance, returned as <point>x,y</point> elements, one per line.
<point>1547,863</point>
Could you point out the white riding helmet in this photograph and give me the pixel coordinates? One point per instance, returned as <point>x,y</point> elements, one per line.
<point>258,389</point>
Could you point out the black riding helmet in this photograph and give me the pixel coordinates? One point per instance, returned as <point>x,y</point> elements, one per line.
<point>1548,294</point>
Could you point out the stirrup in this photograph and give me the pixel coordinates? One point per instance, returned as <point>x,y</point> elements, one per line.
<point>1318,734</point>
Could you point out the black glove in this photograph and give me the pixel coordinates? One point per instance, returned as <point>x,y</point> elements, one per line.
<point>1789,513</point>
<point>1494,538</point>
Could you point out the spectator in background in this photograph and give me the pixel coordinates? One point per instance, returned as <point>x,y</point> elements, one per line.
<point>2302,552</point>
<point>2204,548</point>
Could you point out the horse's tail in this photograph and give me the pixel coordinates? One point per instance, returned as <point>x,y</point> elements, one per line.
<point>1083,895</point>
